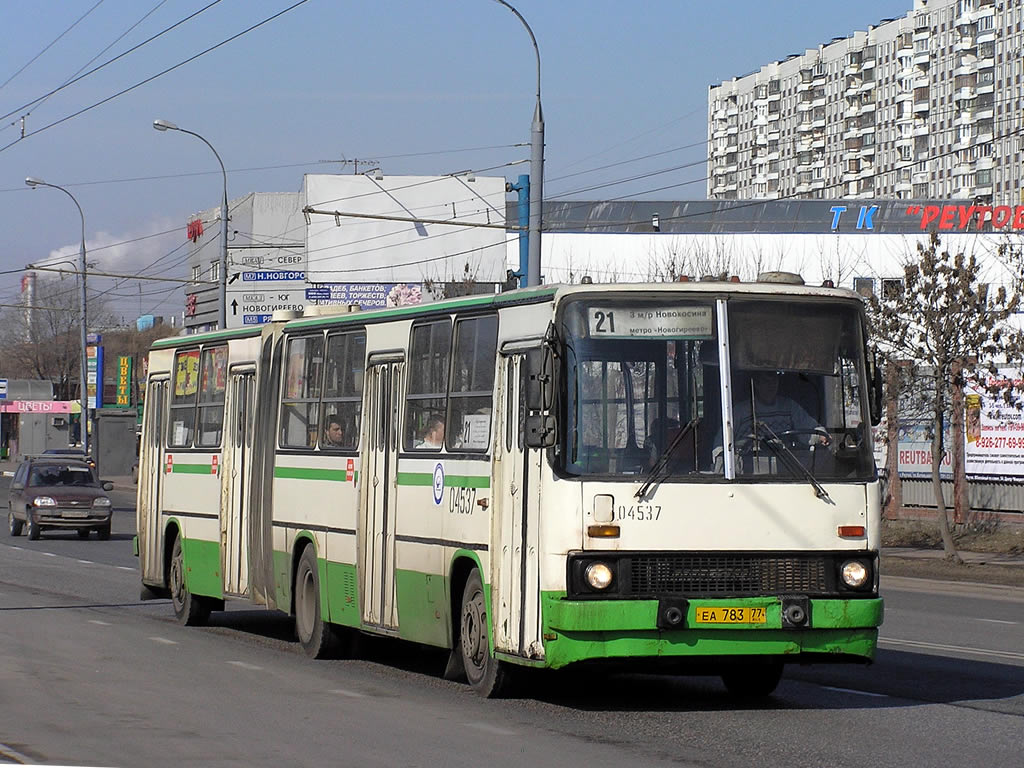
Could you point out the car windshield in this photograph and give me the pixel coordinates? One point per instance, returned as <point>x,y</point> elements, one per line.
<point>61,475</point>
<point>641,372</point>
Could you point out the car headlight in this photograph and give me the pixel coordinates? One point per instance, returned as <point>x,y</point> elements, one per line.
<point>854,574</point>
<point>102,501</point>
<point>44,501</point>
<point>598,576</point>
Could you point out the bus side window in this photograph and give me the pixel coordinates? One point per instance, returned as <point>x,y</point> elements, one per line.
<point>426,395</point>
<point>343,388</point>
<point>300,401</point>
<point>212,384</point>
<point>183,399</point>
<point>471,396</point>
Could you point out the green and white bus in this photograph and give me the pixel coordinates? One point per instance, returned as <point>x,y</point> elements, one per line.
<point>605,489</point>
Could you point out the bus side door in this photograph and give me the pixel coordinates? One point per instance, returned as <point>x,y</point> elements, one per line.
<point>515,529</point>
<point>236,474</point>
<point>151,475</point>
<point>380,492</point>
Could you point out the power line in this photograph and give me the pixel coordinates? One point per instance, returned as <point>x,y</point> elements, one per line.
<point>116,40</point>
<point>158,74</point>
<point>48,47</point>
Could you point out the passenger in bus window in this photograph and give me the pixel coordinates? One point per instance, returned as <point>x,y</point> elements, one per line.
<point>334,434</point>
<point>433,435</point>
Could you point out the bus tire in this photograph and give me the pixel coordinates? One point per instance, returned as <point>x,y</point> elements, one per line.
<point>750,681</point>
<point>316,636</point>
<point>190,610</point>
<point>486,675</point>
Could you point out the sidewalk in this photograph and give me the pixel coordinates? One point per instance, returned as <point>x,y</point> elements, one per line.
<point>974,558</point>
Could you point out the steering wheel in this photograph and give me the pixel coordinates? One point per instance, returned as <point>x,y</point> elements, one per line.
<point>790,435</point>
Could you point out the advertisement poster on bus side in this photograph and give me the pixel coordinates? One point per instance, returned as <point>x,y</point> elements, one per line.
<point>994,427</point>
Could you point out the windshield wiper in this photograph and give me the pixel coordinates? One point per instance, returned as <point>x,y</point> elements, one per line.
<point>663,459</point>
<point>782,452</point>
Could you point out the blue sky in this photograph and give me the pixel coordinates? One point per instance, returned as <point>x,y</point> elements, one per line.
<point>421,86</point>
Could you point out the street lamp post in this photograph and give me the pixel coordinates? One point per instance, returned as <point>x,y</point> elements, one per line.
<point>222,278</point>
<point>83,351</point>
<point>536,167</point>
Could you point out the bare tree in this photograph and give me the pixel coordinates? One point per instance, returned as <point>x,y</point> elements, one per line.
<point>43,342</point>
<point>943,314</point>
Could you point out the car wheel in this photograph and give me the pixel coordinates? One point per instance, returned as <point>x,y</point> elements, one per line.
<point>103,532</point>
<point>486,675</point>
<point>189,609</point>
<point>13,524</point>
<point>33,529</point>
<point>83,533</point>
<point>316,636</point>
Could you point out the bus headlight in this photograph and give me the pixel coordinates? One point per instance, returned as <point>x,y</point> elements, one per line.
<point>854,574</point>
<point>599,576</point>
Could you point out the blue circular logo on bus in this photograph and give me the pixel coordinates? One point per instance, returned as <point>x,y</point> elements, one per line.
<point>438,483</point>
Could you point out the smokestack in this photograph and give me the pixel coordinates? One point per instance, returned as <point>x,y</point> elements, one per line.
<point>28,299</point>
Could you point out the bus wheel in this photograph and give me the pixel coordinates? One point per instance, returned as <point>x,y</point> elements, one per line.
<point>189,609</point>
<point>753,680</point>
<point>485,673</point>
<point>316,636</point>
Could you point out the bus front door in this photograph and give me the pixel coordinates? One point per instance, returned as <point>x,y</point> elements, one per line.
<point>236,473</point>
<point>379,488</point>
<point>151,475</point>
<point>515,531</point>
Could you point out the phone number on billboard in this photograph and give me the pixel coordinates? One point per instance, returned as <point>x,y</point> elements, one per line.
<point>1000,442</point>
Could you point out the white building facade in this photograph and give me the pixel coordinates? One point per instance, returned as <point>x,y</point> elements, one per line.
<point>930,105</point>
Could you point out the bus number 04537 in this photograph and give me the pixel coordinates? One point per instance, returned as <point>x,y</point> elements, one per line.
<point>461,501</point>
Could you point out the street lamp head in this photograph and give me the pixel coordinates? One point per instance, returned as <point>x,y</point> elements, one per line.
<point>32,181</point>
<point>165,125</point>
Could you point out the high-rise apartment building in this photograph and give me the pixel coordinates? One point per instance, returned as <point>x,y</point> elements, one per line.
<point>930,105</point>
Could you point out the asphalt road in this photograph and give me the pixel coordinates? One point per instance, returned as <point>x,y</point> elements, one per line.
<point>89,675</point>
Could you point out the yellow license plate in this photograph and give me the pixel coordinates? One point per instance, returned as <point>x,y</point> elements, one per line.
<point>719,614</point>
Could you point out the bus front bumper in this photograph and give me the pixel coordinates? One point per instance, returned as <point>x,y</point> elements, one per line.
<point>835,630</point>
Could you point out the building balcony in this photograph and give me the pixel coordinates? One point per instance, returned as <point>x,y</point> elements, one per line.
<point>804,106</point>
<point>984,163</point>
<point>965,43</point>
<point>922,58</point>
<point>965,92</point>
<point>965,19</point>
<point>920,106</point>
<point>988,36</point>
<point>920,128</point>
<point>818,124</point>
<point>988,62</point>
<point>867,64</point>
<point>987,87</point>
<point>904,186</point>
<point>981,190</point>
<point>851,69</point>
<point>966,67</point>
<point>805,127</point>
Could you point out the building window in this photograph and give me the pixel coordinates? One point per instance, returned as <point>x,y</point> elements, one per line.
<point>214,271</point>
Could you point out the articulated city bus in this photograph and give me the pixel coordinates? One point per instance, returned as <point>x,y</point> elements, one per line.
<point>679,472</point>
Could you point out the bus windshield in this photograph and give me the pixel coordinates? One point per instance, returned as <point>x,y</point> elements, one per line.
<point>643,377</point>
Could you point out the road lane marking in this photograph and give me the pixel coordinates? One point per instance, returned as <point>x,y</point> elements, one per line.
<point>123,568</point>
<point>244,665</point>
<point>100,623</point>
<point>999,621</point>
<point>892,642</point>
<point>163,640</point>
<point>48,554</point>
<point>87,562</point>
<point>491,729</point>
<point>350,694</point>
<point>852,690</point>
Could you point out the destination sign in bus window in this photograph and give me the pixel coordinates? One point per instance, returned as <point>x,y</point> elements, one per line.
<point>649,322</point>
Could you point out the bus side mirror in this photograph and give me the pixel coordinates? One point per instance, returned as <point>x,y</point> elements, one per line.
<point>539,388</point>
<point>875,404</point>
<point>540,431</point>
